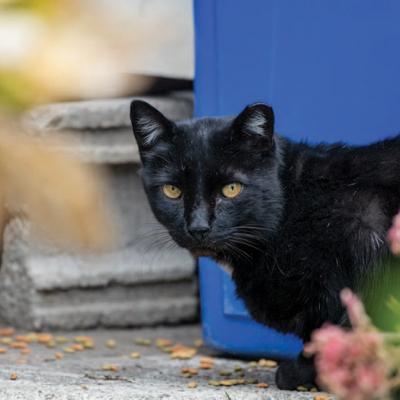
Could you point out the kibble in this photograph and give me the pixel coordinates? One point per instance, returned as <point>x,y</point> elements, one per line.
<point>301,388</point>
<point>18,345</point>
<point>111,343</point>
<point>192,385</point>
<point>181,352</point>
<point>267,363</point>
<point>111,367</point>
<point>142,342</point>
<point>8,331</point>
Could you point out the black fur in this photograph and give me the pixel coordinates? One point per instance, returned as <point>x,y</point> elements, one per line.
<point>310,221</point>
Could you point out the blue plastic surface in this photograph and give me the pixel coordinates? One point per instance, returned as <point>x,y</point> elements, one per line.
<point>227,325</point>
<point>330,69</point>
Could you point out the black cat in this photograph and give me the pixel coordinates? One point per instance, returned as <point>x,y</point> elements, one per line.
<point>296,223</point>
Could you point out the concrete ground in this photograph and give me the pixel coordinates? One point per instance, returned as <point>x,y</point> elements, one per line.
<point>54,373</point>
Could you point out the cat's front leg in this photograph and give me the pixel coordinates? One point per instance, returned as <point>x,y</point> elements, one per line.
<point>301,371</point>
<point>297,372</point>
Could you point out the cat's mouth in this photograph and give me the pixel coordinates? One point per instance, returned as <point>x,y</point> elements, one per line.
<point>203,252</point>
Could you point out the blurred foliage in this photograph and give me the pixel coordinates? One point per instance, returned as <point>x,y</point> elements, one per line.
<point>381,296</point>
<point>56,50</point>
<point>55,191</point>
<point>42,7</point>
<point>52,50</point>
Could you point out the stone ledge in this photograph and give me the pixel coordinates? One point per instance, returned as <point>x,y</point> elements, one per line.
<point>101,129</point>
<point>103,114</point>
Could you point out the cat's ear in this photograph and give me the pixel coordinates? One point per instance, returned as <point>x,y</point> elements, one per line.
<point>255,122</point>
<point>148,124</point>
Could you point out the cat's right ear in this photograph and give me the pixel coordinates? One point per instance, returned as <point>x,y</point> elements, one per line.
<point>148,124</point>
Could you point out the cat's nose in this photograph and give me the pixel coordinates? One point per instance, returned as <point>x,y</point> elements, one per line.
<point>199,232</point>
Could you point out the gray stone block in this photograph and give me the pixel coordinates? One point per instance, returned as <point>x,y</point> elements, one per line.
<point>141,282</point>
<point>44,288</point>
<point>104,114</point>
<point>101,129</point>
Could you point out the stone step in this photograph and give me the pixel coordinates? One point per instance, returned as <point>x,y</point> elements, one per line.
<point>101,129</point>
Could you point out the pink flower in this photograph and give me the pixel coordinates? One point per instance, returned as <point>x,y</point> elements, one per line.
<point>355,309</point>
<point>351,363</point>
<point>394,235</point>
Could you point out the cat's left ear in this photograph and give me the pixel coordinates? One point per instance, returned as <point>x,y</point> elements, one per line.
<point>149,125</point>
<point>256,122</point>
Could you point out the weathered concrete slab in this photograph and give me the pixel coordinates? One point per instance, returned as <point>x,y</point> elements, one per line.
<point>101,129</point>
<point>104,114</point>
<point>41,287</point>
<point>154,376</point>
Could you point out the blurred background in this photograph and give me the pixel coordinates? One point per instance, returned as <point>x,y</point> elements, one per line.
<point>68,71</point>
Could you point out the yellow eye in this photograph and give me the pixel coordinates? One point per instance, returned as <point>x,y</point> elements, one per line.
<point>172,192</point>
<point>231,190</point>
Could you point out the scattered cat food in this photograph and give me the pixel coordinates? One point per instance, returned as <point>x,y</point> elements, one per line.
<point>32,337</point>
<point>111,343</point>
<point>206,360</point>
<point>192,385</point>
<point>24,338</point>
<point>135,355</point>
<point>51,344</point>
<point>8,331</point>
<point>81,338</point>
<point>206,363</point>
<point>198,343</point>
<point>188,372</point>
<point>301,389</point>
<point>238,368</point>
<point>58,355</point>
<point>3,350</point>
<point>225,373</point>
<point>26,351</point>
<point>5,340</point>
<point>89,344</point>
<point>13,376</point>
<point>111,367</point>
<point>77,347</point>
<point>61,339</point>
<point>68,350</point>
<point>182,352</point>
<point>233,382</point>
<point>142,342</point>
<point>162,343</point>
<point>321,397</point>
<point>313,389</point>
<point>262,385</point>
<point>253,364</point>
<point>251,381</point>
<point>18,345</point>
<point>44,338</point>
<point>267,363</point>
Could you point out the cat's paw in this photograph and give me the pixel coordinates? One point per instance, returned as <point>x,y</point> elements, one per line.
<point>294,373</point>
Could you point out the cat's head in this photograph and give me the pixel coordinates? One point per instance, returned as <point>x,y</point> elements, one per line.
<point>212,182</point>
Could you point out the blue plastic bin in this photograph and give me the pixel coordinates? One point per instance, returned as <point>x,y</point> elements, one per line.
<point>331,70</point>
